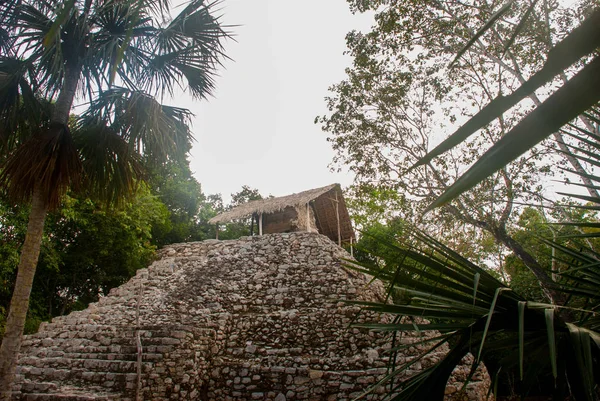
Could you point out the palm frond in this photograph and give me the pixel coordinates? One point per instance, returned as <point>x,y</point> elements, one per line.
<point>52,166</point>
<point>491,318</point>
<point>580,42</point>
<point>21,112</point>
<point>155,131</point>
<point>110,169</point>
<point>190,47</point>
<point>578,94</point>
<point>489,23</point>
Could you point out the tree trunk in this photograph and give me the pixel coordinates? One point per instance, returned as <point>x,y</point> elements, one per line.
<point>546,282</point>
<point>589,184</point>
<point>19,304</point>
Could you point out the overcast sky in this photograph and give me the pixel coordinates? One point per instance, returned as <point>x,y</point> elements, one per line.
<point>259,128</point>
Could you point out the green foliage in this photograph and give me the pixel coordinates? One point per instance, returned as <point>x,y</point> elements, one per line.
<point>182,195</point>
<point>87,250</point>
<point>240,228</point>
<point>533,227</point>
<point>245,195</point>
<point>370,243</point>
<point>474,312</point>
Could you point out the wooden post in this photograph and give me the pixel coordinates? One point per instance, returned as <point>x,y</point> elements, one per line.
<point>260,221</point>
<point>252,225</point>
<point>351,248</point>
<point>337,214</point>
<point>308,216</point>
<point>138,343</point>
<point>217,231</point>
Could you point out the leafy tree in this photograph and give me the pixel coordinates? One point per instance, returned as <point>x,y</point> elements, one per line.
<point>52,51</point>
<point>241,227</point>
<point>535,225</point>
<point>97,249</point>
<point>87,250</point>
<point>384,117</point>
<point>182,194</point>
<point>245,195</point>
<point>478,312</point>
<point>370,243</point>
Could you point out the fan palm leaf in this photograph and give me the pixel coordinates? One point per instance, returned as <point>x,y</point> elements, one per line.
<point>482,321</point>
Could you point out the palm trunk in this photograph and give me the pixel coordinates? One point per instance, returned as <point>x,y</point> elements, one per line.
<point>11,343</point>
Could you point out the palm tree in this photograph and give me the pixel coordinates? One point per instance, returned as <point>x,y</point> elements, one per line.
<point>115,56</point>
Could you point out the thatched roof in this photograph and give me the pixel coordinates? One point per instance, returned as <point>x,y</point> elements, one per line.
<point>271,205</point>
<point>329,207</point>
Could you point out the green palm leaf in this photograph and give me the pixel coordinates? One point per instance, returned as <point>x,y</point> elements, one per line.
<point>532,333</point>
<point>580,42</point>
<point>579,93</point>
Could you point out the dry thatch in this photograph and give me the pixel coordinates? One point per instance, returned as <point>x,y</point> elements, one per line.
<point>271,205</point>
<point>323,202</point>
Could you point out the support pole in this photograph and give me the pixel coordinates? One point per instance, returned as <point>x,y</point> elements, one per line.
<point>260,222</point>
<point>217,231</point>
<point>307,216</point>
<point>351,248</point>
<point>337,215</point>
<point>252,225</point>
<point>138,343</point>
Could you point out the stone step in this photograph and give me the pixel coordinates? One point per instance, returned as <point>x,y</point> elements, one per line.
<point>58,328</point>
<point>126,354</point>
<point>129,352</point>
<point>36,366</point>
<point>67,393</point>
<point>101,342</point>
<point>67,397</point>
<point>42,380</point>
<point>38,386</point>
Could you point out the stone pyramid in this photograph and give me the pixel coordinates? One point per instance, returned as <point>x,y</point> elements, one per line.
<point>259,318</point>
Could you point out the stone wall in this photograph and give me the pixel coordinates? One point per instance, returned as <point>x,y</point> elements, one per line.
<point>259,318</point>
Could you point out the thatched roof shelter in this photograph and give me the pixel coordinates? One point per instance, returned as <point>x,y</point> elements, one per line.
<point>324,208</point>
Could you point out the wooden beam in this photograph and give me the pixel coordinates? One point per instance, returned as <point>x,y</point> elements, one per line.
<point>252,225</point>
<point>260,223</point>
<point>337,214</point>
<point>217,231</point>
<point>308,216</point>
<point>351,248</point>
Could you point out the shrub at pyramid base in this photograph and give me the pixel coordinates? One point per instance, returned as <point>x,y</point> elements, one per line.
<point>259,318</point>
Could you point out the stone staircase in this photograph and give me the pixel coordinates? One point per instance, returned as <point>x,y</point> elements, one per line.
<point>93,354</point>
<point>99,357</point>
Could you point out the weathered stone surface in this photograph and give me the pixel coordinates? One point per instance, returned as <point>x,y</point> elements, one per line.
<point>259,318</point>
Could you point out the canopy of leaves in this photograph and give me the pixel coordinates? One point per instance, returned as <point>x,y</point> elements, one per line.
<point>87,250</point>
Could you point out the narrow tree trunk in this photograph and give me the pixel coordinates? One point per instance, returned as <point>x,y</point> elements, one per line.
<point>546,282</point>
<point>567,154</point>
<point>19,304</point>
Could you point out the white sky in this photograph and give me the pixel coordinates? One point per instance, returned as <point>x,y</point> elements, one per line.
<point>259,128</point>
